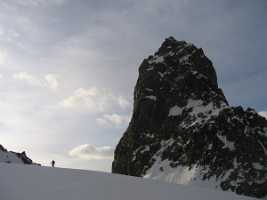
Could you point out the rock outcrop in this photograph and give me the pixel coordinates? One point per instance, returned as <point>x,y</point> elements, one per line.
<point>184,131</point>
<point>14,157</point>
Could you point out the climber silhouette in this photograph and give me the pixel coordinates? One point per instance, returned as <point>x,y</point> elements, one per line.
<point>53,163</point>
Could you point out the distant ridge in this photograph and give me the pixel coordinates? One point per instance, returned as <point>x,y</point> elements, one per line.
<point>14,157</point>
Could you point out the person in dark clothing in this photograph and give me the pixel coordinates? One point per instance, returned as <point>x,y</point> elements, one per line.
<point>53,163</point>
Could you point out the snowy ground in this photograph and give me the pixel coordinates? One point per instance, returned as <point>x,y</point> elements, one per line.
<point>23,182</point>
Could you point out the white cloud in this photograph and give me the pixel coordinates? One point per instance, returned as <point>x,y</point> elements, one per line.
<point>90,152</point>
<point>263,114</point>
<point>113,119</point>
<point>94,100</point>
<point>30,79</point>
<point>3,56</point>
<point>48,81</point>
<point>124,103</point>
<point>52,81</point>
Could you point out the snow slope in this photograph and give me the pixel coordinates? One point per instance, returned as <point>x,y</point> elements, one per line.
<point>26,182</point>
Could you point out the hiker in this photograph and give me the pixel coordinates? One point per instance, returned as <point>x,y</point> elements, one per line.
<point>53,163</point>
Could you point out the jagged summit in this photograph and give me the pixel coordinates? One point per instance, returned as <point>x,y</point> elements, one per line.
<point>178,75</point>
<point>184,131</point>
<point>14,157</point>
<point>186,55</point>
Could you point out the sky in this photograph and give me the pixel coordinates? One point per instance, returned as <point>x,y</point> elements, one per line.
<point>68,68</point>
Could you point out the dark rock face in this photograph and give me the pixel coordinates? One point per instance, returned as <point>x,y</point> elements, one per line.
<point>25,159</point>
<point>181,119</point>
<point>14,157</point>
<point>2,148</point>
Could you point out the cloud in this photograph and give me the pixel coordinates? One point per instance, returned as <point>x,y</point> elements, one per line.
<point>124,103</point>
<point>113,119</point>
<point>52,81</point>
<point>94,100</point>
<point>30,79</point>
<point>48,81</point>
<point>90,152</point>
<point>3,56</point>
<point>263,114</point>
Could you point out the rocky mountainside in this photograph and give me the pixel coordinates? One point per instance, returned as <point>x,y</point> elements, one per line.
<point>184,131</point>
<point>13,157</point>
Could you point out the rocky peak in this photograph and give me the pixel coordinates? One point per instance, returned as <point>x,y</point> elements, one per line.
<point>179,76</point>
<point>2,148</point>
<point>183,57</point>
<point>14,157</point>
<point>183,130</point>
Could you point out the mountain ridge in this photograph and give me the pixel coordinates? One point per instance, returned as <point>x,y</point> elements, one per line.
<point>14,157</point>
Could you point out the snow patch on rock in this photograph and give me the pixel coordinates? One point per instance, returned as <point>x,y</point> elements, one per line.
<point>175,111</point>
<point>156,59</point>
<point>151,97</point>
<point>227,144</point>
